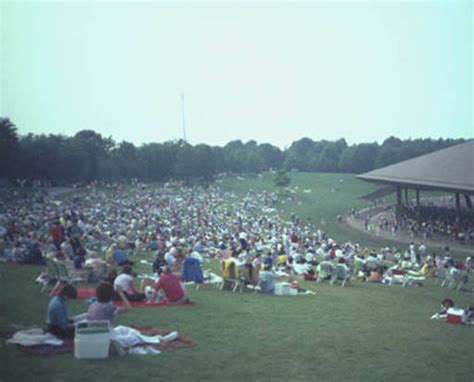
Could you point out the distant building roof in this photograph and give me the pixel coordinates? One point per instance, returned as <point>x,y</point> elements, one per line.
<point>450,169</point>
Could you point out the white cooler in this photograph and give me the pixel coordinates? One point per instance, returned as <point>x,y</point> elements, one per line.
<point>92,340</point>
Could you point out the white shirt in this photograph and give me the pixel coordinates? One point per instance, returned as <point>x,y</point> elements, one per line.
<point>169,258</point>
<point>124,282</point>
<point>197,255</point>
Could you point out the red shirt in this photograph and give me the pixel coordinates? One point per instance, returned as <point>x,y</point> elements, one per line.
<point>55,232</point>
<point>170,284</point>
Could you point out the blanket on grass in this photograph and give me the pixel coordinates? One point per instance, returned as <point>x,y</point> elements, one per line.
<point>67,346</point>
<point>144,304</point>
<point>87,293</point>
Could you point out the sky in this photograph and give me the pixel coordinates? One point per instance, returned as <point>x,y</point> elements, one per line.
<point>270,72</point>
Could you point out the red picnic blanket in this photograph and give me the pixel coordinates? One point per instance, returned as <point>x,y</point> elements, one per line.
<point>144,304</point>
<point>86,293</point>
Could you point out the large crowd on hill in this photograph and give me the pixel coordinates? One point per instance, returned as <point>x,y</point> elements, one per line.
<point>99,229</point>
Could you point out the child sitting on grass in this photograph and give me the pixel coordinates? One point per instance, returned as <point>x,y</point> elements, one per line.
<point>443,313</point>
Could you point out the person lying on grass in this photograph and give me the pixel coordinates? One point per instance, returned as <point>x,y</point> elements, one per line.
<point>104,308</point>
<point>58,322</point>
<point>171,285</point>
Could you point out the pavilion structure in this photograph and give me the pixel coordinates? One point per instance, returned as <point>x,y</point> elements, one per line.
<point>449,170</point>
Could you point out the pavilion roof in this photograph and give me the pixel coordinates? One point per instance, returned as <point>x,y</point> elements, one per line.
<point>450,169</point>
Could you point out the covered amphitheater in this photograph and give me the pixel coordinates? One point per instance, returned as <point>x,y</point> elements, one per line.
<point>449,170</point>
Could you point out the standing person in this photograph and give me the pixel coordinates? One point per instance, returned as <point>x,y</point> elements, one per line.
<point>123,283</point>
<point>58,322</point>
<point>171,285</point>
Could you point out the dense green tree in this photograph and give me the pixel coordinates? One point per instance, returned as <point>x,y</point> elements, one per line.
<point>87,156</point>
<point>9,149</point>
<point>358,158</point>
<point>330,156</point>
<point>271,155</point>
<point>281,179</point>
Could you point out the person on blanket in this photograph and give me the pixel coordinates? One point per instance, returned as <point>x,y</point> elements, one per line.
<point>104,308</point>
<point>58,322</point>
<point>124,283</point>
<point>171,285</point>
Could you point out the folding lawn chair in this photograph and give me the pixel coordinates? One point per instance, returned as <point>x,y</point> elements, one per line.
<point>68,274</point>
<point>230,276</point>
<point>52,274</point>
<point>325,271</point>
<point>412,278</point>
<point>456,280</point>
<point>440,275</point>
<point>341,273</point>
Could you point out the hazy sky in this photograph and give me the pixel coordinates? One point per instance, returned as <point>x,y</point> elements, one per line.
<point>273,72</point>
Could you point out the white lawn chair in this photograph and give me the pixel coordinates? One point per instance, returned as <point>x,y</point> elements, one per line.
<point>325,271</point>
<point>341,272</point>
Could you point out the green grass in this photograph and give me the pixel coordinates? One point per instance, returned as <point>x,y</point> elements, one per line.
<point>363,332</point>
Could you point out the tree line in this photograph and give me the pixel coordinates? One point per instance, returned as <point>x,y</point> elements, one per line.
<point>88,156</point>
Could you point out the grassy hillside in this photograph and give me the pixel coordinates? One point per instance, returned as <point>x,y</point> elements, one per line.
<point>330,195</point>
<point>363,332</point>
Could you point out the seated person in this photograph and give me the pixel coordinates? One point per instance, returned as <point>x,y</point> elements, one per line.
<point>104,308</point>
<point>159,263</point>
<point>469,316</point>
<point>171,285</point>
<point>34,255</point>
<point>120,257</point>
<point>170,256</point>
<point>80,259</point>
<point>124,283</point>
<point>427,267</point>
<point>230,267</point>
<point>110,276</point>
<point>325,269</point>
<point>376,275</point>
<point>310,275</point>
<point>58,322</point>
<point>267,279</point>
<point>443,313</point>
<point>268,259</point>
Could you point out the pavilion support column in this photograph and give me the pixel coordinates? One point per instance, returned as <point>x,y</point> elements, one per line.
<point>406,196</point>
<point>418,212</point>
<point>458,206</point>
<point>398,207</point>
<point>468,201</point>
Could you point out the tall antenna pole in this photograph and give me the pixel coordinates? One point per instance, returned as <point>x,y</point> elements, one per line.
<point>183,116</point>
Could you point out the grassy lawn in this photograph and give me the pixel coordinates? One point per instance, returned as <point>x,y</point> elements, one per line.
<point>362,332</point>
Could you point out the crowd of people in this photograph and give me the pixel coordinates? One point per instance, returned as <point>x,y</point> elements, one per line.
<point>104,227</point>
<point>424,222</point>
